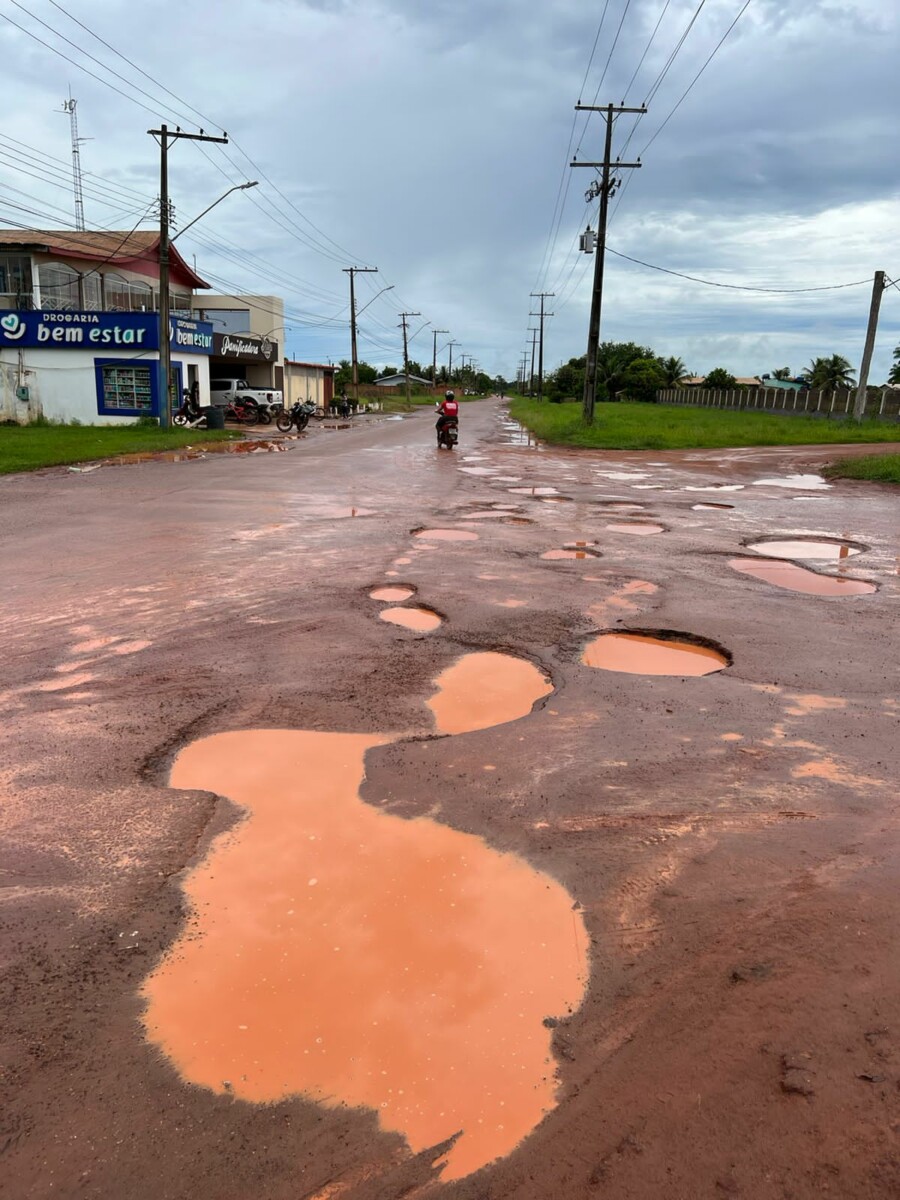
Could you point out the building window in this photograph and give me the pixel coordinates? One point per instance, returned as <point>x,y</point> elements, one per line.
<point>15,281</point>
<point>59,286</point>
<point>117,297</point>
<point>125,389</point>
<point>141,296</point>
<point>92,292</point>
<point>180,303</point>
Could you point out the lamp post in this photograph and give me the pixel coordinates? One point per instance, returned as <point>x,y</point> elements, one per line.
<point>238,187</point>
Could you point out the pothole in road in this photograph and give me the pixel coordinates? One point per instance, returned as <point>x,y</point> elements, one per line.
<point>654,653</point>
<point>633,505</point>
<point>485,689</point>
<point>709,504</point>
<point>517,521</point>
<point>803,482</point>
<point>800,579</point>
<point>556,499</point>
<point>534,491</point>
<point>716,487</point>
<point>579,550</point>
<point>641,528</point>
<point>446,535</point>
<point>484,515</point>
<point>826,549</point>
<point>393,595</point>
<point>357,959</point>
<point>421,620</point>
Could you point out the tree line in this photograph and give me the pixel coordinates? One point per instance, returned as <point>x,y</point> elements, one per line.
<point>626,370</point>
<point>465,378</point>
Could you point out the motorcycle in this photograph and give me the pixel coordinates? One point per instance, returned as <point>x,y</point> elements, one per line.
<point>448,434</point>
<point>297,415</point>
<point>189,415</point>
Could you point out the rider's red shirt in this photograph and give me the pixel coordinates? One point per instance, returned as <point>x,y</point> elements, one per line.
<point>450,408</point>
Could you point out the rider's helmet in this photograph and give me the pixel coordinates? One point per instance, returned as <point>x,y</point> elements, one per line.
<point>449,396</point>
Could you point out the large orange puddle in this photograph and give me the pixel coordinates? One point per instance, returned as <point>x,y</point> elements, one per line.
<point>340,953</point>
<point>393,594</point>
<point>800,579</point>
<point>643,654</point>
<point>641,528</point>
<point>485,689</point>
<point>447,535</point>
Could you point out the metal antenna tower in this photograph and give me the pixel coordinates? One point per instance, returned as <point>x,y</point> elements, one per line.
<point>69,106</point>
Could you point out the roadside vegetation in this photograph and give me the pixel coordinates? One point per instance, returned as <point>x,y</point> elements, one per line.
<point>30,447</point>
<point>880,468</point>
<point>632,426</point>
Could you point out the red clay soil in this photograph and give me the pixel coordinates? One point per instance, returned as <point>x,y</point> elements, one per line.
<point>729,841</point>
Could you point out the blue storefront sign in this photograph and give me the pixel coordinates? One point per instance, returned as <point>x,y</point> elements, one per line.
<point>101,331</point>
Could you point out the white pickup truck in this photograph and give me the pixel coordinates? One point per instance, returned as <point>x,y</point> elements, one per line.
<point>226,391</point>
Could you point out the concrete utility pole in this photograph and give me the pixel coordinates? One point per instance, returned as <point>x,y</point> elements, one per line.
<point>435,332</point>
<point>162,135</point>
<point>404,325</point>
<point>608,184</point>
<point>534,336</point>
<point>352,271</point>
<point>859,404</point>
<point>542,315</point>
<point>523,369</point>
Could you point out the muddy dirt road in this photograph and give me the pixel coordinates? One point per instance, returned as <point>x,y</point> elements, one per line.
<point>450,892</point>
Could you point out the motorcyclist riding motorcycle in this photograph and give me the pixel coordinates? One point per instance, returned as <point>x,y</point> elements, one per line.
<point>447,411</point>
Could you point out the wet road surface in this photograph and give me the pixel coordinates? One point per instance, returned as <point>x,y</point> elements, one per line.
<point>622,931</point>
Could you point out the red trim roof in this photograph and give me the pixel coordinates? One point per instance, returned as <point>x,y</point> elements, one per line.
<point>123,248</point>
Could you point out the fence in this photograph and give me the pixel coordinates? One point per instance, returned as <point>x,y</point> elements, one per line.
<point>881,403</point>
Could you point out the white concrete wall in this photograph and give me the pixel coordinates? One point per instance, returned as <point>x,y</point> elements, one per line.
<point>303,383</point>
<point>62,384</point>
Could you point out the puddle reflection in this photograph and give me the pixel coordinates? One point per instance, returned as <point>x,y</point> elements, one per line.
<point>800,579</point>
<point>421,620</point>
<point>644,654</point>
<point>485,689</point>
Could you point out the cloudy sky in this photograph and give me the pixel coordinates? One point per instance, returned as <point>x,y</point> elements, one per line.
<point>431,139</point>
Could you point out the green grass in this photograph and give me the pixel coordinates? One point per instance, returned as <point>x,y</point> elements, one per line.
<point>672,427</point>
<point>881,468</point>
<point>30,447</point>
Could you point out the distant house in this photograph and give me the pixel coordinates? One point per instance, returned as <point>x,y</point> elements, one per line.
<point>789,385</point>
<point>400,381</point>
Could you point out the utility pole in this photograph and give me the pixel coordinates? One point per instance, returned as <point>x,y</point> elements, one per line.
<point>450,363</point>
<point>534,334</point>
<point>69,106</point>
<point>542,315</point>
<point>404,326</point>
<point>523,368</point>
<point>859,404</point>
<point>352,271</point>
<point>608,184</point>
<point>434,356</point>
<point>163,134</point>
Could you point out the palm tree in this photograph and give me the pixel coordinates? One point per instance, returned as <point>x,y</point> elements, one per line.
<point>674,370</point>
<point>830,373</point>
<point>782,373</point>
<point>894,376</point>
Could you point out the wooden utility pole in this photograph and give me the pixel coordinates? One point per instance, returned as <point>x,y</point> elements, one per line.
<point>352,271</point>
<point>608,184</point>
<point>404,324</point>
<point>450,364</point>
<point>162,135</point>
<point>541,314</point>
<point>859,404</point>
<point>434,357</point>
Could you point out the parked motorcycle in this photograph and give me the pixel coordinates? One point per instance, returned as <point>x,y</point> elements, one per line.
<point>297,415</point>
<point>448,434</point>
<point>190,415</point>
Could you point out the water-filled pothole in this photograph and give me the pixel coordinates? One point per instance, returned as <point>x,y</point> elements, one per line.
<point>352,957</point>
<point>421,620</point>
<point>485,689</point>
<point>391,595</point>
<point>641,528</point>
<point>533,491</point>
<point>653,654</point>
<point>578,550</point>
<point>447,535</point>
<point>800,579</point>
<point>821,548</point>
<point>517,521</point>
<point>709,504</point>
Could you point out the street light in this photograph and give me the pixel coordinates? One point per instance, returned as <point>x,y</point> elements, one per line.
<point>389,288</point>
<point>238,187</point>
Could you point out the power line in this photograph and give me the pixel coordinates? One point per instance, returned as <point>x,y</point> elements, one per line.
<point>739,287</point>
<point>646,49</point>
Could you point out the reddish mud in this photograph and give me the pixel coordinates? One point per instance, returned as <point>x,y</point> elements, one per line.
<point>568,553</point>
<point>800,579</point>
<point>732,846</point>
<point>356,958</point>
<point>483,690</point>
<point>391,595</point>
<point>641,654</point>
<point>422,620</point>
